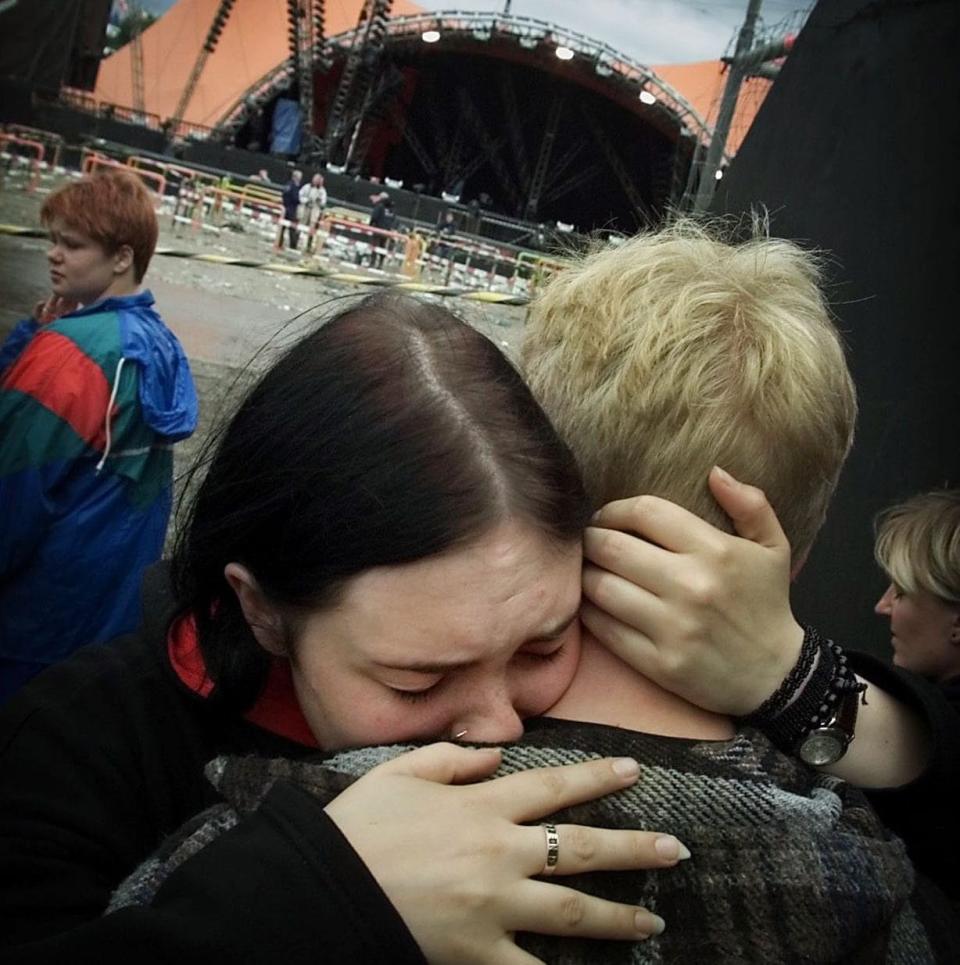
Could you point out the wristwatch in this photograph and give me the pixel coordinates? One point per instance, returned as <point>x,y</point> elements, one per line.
<point>828,742</point>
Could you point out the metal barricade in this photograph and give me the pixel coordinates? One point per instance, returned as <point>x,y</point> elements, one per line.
<point>8,140</point>
<point>94,160</point>
<point>51,142</point>
<point>337,238</point>
<point>454,260</point>
<point>539,268</point>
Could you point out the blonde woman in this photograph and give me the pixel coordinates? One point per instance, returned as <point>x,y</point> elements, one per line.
<point>918,547</point>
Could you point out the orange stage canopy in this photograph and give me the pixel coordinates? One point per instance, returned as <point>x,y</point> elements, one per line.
<point>254,42</point>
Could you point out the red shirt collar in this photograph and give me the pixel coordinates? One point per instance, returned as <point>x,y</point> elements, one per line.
<point>276,709</point>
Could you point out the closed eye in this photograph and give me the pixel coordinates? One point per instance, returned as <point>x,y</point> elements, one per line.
<point>413,696</point>
<point>534,656</point>
<point>539,656</point>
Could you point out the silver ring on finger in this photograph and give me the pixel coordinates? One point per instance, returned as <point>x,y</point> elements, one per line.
<point>553,849</point>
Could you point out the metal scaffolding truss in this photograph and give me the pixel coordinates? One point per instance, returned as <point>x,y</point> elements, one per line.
<point>612,65</point>
<point>378,105</point>
<point>492,145</point>
<point>220,17</point>
<point>532,34</point>
<point>576,180</point>
<point>136,68</point>
<point>412,140</point>
<point>543,159</point>
<point>305,24</point>
<point>514,126</point>
<point>357,84</point>
<point>560,165</point>
<point>619,169</point>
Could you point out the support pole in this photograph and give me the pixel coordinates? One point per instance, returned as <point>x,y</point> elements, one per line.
<point>305,19</point>
<point>136,67</point>
<point>728,104</point>
<point>543,159</point>
<point>359,72</point>
<point>220,18</point>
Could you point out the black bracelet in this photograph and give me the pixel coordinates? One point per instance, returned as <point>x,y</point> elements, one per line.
<point>786,723</point>
<point>814,702</point>
<point>778,700</point>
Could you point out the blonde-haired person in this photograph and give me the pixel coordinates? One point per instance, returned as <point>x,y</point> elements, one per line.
<point>675,352</point>
<point>659,361</point>
<point>918,547</point>
<point>785,864</point>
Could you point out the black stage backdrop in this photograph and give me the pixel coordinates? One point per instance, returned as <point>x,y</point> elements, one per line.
<point>855,151</point>
<point>48,43</point>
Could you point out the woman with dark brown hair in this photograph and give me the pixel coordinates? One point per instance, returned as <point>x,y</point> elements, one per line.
<point>385,547</point>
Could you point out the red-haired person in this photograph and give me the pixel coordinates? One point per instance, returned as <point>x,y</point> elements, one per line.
<point>94,389</point>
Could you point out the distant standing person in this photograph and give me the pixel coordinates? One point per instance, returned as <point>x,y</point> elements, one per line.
<point>94,389</point>
<point>291,202</point>
<point>918,547</point>
<point>446,229</point>
<point>383,217</point>
<point>313,201</point>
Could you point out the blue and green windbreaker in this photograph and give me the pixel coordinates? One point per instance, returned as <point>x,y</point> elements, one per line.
<point>90,406</point>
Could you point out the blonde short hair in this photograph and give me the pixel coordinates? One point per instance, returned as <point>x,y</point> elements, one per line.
<point>918,544</point>
<point>675,352</point>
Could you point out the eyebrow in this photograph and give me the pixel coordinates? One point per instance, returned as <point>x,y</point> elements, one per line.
<point>444,666</point>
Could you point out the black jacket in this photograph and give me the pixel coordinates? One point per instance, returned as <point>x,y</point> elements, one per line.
<point>924,813</point>
<point>100,758</point>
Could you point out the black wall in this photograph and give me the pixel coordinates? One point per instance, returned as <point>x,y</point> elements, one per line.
<point>49,43</point>
<point>855,151</point>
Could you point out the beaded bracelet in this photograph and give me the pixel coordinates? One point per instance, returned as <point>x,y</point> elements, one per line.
<point>787,719</point>
<point>776,703</point>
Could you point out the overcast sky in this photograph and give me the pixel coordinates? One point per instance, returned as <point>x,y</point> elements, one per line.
<point>651,31</point>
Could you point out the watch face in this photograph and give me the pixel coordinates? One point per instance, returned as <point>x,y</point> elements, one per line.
<point>825,745</point>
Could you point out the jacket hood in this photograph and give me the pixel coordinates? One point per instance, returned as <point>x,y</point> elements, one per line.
<point>168,398</point>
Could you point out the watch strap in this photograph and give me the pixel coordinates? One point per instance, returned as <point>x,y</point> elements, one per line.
<point>841,730</point>
<point>817,700</point>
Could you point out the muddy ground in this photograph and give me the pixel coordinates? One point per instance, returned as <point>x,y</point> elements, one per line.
<point>231,320</point>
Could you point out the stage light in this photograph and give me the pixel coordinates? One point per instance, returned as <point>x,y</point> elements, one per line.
<point>564,53</point>
<point>528,43</point>
<point>647,97</point>
<point>430,36</point>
